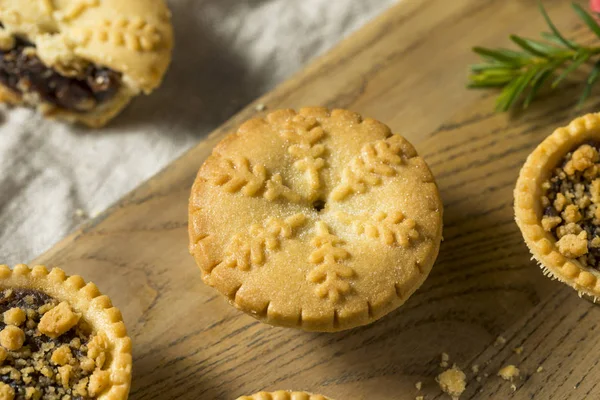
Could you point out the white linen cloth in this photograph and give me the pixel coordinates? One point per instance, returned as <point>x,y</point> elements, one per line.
<point>227,53</point>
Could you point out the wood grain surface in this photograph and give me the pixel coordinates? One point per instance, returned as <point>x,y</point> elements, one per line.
<point>407,69</point>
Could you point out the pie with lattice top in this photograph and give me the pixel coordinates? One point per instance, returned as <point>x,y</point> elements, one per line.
<point>557,204</point>
<point>316,219</point>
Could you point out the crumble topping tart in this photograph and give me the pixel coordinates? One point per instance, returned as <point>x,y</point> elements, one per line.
<point>557,198</point>
<point>59,338</point>
<point>317,219</point>
<point>571,205</point>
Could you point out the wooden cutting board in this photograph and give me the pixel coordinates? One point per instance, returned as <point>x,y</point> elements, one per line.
<point>408,69</point>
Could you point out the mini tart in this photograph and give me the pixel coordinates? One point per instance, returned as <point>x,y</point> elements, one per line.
<point>316,219</point>
<point>60,337</point>
<point>284,395</point>
<point>557,204</point>
<point>82,60</point>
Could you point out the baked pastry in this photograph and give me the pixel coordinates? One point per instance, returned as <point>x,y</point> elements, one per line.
<point>82,60</point>
<point>557,204</point>
<point>284,395</point>
<point>60,338</point>
<point>317,220</point>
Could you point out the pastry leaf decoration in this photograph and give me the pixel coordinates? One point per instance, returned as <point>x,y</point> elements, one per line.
<point>538,63</point>
<point>134,34</point>
<point>248,250</point>
<point>236,175</point>
<point>391,229</point>
<point>305,133</point>
<point>330,274</point>
<point>376,160</point>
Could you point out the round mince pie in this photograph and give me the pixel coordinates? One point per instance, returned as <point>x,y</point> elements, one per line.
<point>60,338</point>
<point>557,204</point>
<point>316,219</point>
<point>82,60</point>
<point>284,395</point>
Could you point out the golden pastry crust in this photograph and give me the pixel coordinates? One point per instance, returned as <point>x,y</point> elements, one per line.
<point>94,119</point>
<point>529,208</point>
<point>80,300</point>
<point>315,219</point>
<point>284,395</point>
<point>134,38</point>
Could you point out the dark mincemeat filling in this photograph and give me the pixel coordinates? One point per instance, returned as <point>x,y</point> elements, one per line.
<point>32,351</point>
<point>23,72</point>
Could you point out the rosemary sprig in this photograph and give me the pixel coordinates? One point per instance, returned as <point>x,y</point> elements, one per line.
<point>521,74</point>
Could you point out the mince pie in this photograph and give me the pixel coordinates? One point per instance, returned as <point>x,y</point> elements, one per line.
<point>82,60</point>
<point>60,338</point>
<point>557,204</point>
<point>316,219</point>
<point>284,395</point>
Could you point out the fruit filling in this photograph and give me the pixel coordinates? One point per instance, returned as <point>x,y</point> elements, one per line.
<point>81,89</point>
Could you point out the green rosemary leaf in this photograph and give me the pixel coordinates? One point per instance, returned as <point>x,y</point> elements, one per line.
<point>550,48</point>
<point>486,84</point>
<point>501,55</point>
<point>524,72</point>
<point>495,72</point>
<point>530,46</point>
<point>484,67</point>
<point>514,90</point>
<point>587,18</point>
<point>507,92</point>
<point>536,85</point>
<point>491,81</point>
<point>556,34</point>
<point>515,54</point>
<point>548,68</point>
<point>553,39</point>
<point>578,62</point>
<point>590,82</point>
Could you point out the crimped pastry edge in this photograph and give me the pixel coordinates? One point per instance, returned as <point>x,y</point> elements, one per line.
<point>96,308</point>
<point>284,395</point>
<point>400,292</point>
<point>527,205</point>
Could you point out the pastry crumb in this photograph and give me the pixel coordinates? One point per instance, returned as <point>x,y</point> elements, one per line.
<point>15,316</point>
<point>509,372</point>
<point>539,369</point>
<point>6,392</point>
<point>475,369</point>
<point>452,381</point>
<point>419,398</point>
<point>513,387</point>
<point>500,341</point>
<point>260,107</point>
<point>419,385</point>
<point>573,246</point>
<point>478,378</point>
<point>445,359</point>
<point>79,213</point>
<point>518,350</point>
<point>12,338</point>
<point>58,320</point>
